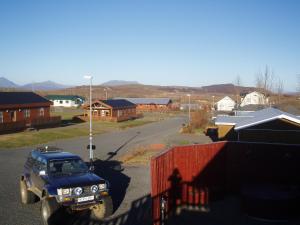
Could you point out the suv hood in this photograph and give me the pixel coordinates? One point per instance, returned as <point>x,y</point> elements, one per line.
<point>77,180</point>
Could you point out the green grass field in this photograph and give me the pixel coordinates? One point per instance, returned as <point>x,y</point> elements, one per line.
<point>30,138</point>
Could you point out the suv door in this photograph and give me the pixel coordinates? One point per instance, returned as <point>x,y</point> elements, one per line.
<point>37,179</point>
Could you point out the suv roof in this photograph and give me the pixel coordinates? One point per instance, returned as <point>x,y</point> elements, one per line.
<point>49,153</point>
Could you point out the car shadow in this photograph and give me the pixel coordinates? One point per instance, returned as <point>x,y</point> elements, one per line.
<point>139,213</point>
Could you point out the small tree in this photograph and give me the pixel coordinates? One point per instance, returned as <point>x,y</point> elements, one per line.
<point>264,81</point>
<point>237,86</point>
<point>279,89</point>
<point>199,119</point>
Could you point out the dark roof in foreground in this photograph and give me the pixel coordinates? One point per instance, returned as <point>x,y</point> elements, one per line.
<point>118,103</point>
<point>149,101</point>
<point>255,118</point>
<point>18,98</point>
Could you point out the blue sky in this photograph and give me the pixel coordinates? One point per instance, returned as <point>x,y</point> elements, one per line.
<point>163,42</point>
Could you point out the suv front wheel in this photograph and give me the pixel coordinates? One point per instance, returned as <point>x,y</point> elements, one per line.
<point>103,209</point>
<point>27,197</point>
<point>48,209</point>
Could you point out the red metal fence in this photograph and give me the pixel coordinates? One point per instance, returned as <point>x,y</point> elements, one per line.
<point>193,175</point>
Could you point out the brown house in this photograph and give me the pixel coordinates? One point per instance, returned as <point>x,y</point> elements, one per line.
<point>19,110</point>
<point>268,125</point>
<point>151,104</point>
<point>116,110</point>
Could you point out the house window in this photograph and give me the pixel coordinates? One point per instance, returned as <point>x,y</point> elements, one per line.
<point>42,112</point>
<point>1,117</point>
<point>27,113</point>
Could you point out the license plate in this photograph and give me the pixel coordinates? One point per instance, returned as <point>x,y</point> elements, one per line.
<point>84,199</point>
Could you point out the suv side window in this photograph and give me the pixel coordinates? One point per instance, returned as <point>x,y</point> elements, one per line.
<point>40,164</point>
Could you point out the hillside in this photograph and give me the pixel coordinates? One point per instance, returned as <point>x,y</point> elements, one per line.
<point>178,93</point>
<point>112,83</point>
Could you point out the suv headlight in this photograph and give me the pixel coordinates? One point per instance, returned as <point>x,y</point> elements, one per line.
<point>64,191</point>
<point>94,188</point>
<point>78,191</point>
<point>102,186</point>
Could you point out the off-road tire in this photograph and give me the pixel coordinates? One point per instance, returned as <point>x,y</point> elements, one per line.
<point>27,197</point>
<point>48,209</point>
<point>102,210</point>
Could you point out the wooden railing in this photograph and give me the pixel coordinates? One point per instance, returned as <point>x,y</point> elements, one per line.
<point>35,123</point>
<point>13,126</point>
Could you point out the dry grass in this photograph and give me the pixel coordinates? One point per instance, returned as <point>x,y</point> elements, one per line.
<point>141,155</point>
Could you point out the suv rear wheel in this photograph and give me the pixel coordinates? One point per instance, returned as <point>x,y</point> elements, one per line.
<point>48,208</point>
<point>103,209</point>
<point>27,197</point>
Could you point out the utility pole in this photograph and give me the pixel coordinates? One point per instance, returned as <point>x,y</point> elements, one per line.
<point>189,95</point>
<point>91,125</point>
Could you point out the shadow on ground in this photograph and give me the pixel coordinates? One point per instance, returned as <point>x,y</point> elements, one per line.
<point>114,153</point>
<point>139,213</point>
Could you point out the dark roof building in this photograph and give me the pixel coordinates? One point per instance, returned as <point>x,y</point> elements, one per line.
<point>151,104</point>
<point>118,103</point>
<point>112,110</point>
<point>19,110</point>
<point>19,99</point>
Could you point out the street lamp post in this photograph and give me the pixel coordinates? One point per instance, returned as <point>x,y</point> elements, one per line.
<point>105,93</point>
<point>91,124</point>
<point>189,95</point>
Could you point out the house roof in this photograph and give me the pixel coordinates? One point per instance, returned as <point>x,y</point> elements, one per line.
<point>64,97</point>
<point>20,98</point>
<point>149,101</point>
<point>118,103</point>
<point>229,120</point>
<point>243,94</point>
<point>226,97</point>
<point>255,118</point>
<point>114,103</point>
<point>251,107</point>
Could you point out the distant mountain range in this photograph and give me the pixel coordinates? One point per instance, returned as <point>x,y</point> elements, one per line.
<point>113,83</point>
<point>47,85</point>
<point>131,88</point>
<point>5,83</point>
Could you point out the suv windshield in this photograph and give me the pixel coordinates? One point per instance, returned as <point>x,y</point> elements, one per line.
<point>67,167</point>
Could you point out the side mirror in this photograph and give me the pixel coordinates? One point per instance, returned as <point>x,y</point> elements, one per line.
<point>42,173</point>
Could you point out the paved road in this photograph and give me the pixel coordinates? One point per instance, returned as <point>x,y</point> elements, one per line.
<point>128,186</point>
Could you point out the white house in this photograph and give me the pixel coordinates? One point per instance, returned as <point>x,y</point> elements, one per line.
<point>254,98</point>
<point>225,104</point>
<point>66,100</point>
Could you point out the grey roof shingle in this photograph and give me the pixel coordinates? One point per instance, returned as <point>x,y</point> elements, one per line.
<point>148,101</point>
<point>255,118</point>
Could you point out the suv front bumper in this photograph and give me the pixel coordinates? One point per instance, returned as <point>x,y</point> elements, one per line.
<point>81,202</point>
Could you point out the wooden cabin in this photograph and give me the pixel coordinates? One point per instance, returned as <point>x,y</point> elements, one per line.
<point>19,110</point>
<point>151,104</point>
<point>116,110</point>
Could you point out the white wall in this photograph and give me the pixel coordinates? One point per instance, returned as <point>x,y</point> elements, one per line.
<point>225,104</point>
<point>64,103</point>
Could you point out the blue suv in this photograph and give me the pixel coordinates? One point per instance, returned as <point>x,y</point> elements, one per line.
<point>62,179</point>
